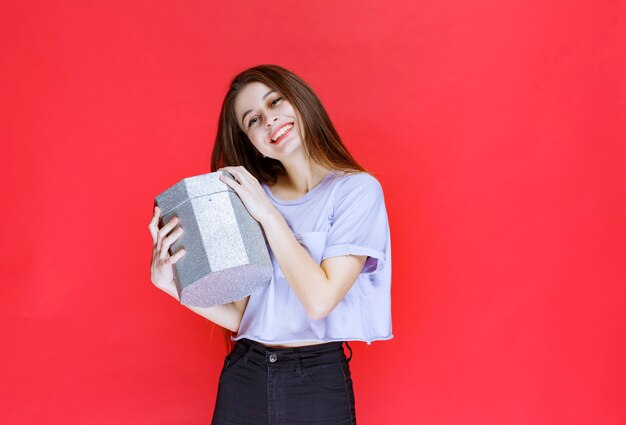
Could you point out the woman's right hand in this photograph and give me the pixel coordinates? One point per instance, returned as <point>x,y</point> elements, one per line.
<point>161,268</point>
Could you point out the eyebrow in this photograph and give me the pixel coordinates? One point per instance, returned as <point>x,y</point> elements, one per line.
<point>250,110</point>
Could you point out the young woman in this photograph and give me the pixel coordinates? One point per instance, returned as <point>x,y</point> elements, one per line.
<point>325,224</point>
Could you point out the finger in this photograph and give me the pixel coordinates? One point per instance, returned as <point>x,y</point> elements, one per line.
<point>174,258</point>
<point>228,168</point>
<point>233,174</point>
<point>165,230</point>
<point>168,241</point>
<point>239,172</point>
<point>244,175</point>
<point>163,234</point>
<point>153,225</point>
<point>230,182</point>
<point>244,181</point>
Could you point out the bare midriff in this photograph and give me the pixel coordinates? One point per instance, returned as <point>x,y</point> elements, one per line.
<point>294,344</point>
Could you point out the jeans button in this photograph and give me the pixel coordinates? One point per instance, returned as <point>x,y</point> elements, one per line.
<point>273,358</point>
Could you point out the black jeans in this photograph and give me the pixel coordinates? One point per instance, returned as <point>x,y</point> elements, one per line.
<point>285,386</point>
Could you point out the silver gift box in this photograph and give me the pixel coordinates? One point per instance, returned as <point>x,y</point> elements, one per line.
<point>226,257</point>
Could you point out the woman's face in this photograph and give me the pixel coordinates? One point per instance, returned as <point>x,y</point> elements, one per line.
<point>269,120</point>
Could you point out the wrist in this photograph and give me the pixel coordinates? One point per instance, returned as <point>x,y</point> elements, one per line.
<point>271,219</point>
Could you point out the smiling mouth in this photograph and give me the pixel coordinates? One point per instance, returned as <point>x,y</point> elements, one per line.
<point>281,133</point>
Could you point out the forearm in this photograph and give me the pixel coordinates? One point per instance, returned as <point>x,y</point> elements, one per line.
<point>306,278</point>
<point>225,315</point>
<point>318,287</point>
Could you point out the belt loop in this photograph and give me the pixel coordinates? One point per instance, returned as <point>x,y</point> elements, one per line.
<point>246,355</point>
<point>348,345</point>
<point>298,363</point>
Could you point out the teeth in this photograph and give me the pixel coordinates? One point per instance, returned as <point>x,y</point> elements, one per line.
<point>281,132</point>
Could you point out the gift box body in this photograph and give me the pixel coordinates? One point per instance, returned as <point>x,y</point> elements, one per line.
<point>226,257</point>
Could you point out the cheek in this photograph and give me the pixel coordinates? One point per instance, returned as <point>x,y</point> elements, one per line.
<point>285,108</point>
<point>257,138</point>
<point>288,109</point>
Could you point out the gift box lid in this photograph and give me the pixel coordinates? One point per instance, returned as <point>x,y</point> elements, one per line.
<point>190,188</point>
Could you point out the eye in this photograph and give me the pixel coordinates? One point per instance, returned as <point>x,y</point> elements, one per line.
<point>252,121</point>
<point>275,101</point>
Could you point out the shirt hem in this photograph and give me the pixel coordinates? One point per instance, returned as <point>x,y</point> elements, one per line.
<point>321,341</point>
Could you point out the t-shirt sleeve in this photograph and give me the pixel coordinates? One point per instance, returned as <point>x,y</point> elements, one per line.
<point>359,223</point>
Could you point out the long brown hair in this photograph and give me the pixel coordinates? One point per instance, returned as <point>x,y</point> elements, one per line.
<point>320,139</point>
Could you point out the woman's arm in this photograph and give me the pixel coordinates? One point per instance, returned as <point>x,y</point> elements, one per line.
<point>162,275</point>
<point>318,287</point>
<point>226,315</point>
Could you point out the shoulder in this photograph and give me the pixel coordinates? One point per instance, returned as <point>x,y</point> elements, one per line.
<point>357,185</point>
<point>361,180</point>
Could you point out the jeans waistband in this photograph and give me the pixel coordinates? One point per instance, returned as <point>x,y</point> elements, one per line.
<point>307,355</point>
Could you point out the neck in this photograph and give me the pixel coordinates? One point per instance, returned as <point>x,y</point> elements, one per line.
<point>302,175</point>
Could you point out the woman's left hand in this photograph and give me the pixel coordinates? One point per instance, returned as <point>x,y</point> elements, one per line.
<point>250,192</point>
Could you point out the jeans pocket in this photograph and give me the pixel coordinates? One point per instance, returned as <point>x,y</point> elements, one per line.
<point>326,376</point>
<point>230,361</point>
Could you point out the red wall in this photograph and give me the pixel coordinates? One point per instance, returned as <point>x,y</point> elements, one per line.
<point>496,128</point>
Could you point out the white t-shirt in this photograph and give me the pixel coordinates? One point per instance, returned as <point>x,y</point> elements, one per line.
<point>344,214</point>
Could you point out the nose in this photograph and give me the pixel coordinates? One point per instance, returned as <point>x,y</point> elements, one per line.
<point>271,120</point>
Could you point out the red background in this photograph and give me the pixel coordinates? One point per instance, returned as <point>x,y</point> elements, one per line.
<point>496,128</point>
